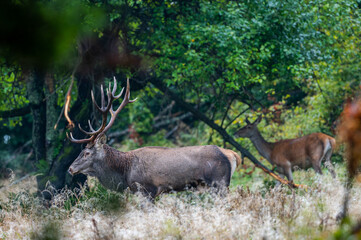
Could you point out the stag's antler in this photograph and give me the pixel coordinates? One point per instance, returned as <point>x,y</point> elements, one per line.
<point>104,111</point>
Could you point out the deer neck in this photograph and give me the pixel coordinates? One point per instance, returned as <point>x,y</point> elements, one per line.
<point>113,173</point>
<point>263,147</point>
<point>117,160</point>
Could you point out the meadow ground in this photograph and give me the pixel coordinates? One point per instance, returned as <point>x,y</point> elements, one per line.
<point>252,210</point>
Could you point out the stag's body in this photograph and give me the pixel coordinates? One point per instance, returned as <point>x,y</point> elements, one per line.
<point>154,170</point>
<point>304,152</point>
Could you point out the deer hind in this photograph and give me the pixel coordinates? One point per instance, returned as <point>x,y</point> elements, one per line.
<point>151,170</point>
<point>304,152</point>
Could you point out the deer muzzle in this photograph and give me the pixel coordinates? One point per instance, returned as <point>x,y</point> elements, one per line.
<point>71,171</point>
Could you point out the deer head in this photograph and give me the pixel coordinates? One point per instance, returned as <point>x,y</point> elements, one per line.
<point>249,130</point>
<point>88,158</point>
<point>93,154</point>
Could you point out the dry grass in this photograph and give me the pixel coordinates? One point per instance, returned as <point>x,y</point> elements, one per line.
<point>278,213</point>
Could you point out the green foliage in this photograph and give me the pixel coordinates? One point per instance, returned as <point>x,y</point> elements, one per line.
<point>50,231</point>
<point>240,178</point>
<point>96,198</point>
<point>288,56</point>
<point>42,171</point>
<point>231,45</point>
<point>12,93</point>
<point>156,139</point>
<point>42,166</point>
<point>140,115</point>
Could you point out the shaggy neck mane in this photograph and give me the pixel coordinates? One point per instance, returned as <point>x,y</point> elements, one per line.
<point>116,160</point>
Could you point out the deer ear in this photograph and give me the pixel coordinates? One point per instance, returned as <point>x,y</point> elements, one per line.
<point>101,140</point>
<point>247,121</point>
<point>258,120</point>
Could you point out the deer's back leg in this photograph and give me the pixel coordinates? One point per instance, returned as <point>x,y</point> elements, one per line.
<point>328,163</point>
<point>316,164</point>
<point>316,159</point>
<point>287,170</point>
<point>278,183</point>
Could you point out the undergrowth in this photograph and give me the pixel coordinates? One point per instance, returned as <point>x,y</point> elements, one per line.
<point>255,211</point>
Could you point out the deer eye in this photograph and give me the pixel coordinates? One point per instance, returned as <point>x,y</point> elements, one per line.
<point>86,154</point>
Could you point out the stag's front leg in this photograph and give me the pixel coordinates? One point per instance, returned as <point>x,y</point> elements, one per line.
<point>147,190</point>
<point>150,192</point>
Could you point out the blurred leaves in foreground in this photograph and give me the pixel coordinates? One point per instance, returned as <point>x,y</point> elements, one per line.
<point>350,133</point>
<point>42,33</point>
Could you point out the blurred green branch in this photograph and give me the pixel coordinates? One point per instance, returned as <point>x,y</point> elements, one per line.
<point>18,112</point>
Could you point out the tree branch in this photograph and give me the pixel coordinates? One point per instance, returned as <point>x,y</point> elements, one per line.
<point>226,112</point>
<point>16,112</point>
<point>238,115</point>
<point>220,130</point>
<point>155,125</point>
<point>251,97</point>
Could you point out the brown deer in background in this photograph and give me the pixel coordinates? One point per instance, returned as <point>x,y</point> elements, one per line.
<point>304,152</point>
<point>151,170</point>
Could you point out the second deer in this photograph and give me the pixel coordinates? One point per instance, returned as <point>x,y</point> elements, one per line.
<point>304,152</point>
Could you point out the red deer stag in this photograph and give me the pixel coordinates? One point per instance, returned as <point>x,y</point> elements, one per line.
<point>151,170</point>
<point>304,152</point>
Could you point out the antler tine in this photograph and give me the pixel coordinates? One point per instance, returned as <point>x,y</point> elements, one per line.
<point>110,100</point>
<point>90,126</point>
<point>101,128</point>
<point>128,88</point>
<point>120,94</point>
<point>94,102</point>
<point>247,121</point>
<point>103,109</point>
<point>125,100</point>
<point>114,87</point>
<point>131,101</point>
<point>102,95</point>
<point>88,133</point>
<point>109,92</point>
<point>73,140</point>
<point>122,105</point>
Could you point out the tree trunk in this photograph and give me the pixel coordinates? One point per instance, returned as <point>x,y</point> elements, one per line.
<point>51,117</point>
<point>51,137</point>
<point>80,113</point>
<point>53,152</point>
<point>35,92</point>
